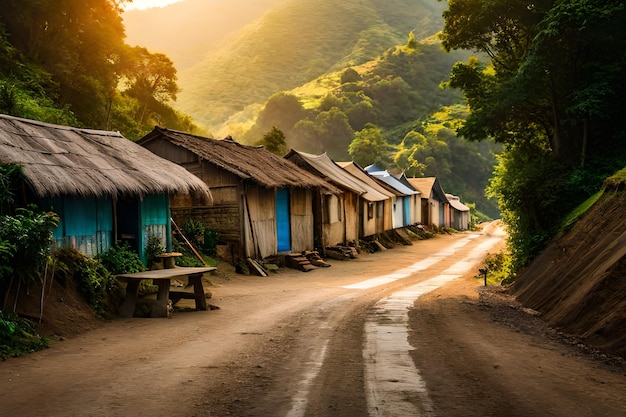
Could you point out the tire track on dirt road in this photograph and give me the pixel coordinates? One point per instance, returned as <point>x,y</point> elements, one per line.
<point>378,353</point>
<point>393,383</point>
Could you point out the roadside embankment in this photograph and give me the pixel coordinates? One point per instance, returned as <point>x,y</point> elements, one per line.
<point>578,283</point>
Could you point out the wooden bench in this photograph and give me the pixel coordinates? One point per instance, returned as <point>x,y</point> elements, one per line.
<point>162,278</point>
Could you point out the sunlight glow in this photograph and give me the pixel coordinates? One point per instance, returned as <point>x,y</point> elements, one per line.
<point>148,4</point>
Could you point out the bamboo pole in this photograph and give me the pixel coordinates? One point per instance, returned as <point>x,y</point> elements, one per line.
<point>188,243</point>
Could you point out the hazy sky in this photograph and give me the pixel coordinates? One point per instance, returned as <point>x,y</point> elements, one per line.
<point>146,4</point>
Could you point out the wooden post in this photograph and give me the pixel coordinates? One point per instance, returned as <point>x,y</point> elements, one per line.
<point>188,243</point>
<point>483,272</point>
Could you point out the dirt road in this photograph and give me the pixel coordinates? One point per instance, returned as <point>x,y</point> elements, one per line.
<point>295,344</point>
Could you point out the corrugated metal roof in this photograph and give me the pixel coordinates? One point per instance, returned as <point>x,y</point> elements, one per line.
<point>389,179</point>
<point>330,171</point>
<point>358,172</point>
<point>456,203</point>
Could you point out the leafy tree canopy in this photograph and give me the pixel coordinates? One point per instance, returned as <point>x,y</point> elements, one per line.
<point>275,142</point>
<point>550,91</point>
<point>369,146</point>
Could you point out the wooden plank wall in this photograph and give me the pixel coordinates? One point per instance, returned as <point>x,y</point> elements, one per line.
<point>302,229</point>
<point>261,206</point>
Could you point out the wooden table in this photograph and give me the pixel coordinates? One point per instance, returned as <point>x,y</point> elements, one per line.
<point>162,278</point>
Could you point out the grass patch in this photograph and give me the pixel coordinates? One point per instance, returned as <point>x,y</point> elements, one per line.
<point>582,208</point>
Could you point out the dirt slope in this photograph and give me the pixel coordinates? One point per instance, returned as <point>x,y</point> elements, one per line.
<point>579,281</point>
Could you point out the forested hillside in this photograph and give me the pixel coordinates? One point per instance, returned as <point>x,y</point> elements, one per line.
<point>324,72</point>
<point>295,43</point>
<point>68,63</point>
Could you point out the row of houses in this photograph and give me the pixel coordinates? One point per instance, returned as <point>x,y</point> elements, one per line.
<point>106,188</point>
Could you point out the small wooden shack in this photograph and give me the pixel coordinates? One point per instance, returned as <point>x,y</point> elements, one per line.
<point>434,201</point>
<point>104,187</point>
<point>459,213</point>
<point>407,206</point>
<point>337,218</point>
<point>376,211</point>
<point>263,204</point>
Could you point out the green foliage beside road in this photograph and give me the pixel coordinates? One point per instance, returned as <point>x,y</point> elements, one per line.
<point>551,93</point>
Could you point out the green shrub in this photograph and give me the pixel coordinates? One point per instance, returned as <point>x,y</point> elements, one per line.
<point>30,233</point>
<point>153,248</point>
<point>499,268</point>
<point>193,230</point>
<point>121,259</point>
<point>6,254</point>
<point>18,336</point>
<point>209,244</point>
<point>188,258</point>
<point>92,279</point>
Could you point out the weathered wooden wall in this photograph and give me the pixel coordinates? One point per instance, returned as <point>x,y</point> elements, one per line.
<point>224,216</point>
<point>416,209</point>
<point>302,232</point>
<point>334,225</point>
<point>368,213</point>
<point>398,212</point>
<point>260,214</point>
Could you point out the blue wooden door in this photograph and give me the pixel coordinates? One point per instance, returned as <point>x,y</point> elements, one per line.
<point>283,223</point>
<point>407,211</point>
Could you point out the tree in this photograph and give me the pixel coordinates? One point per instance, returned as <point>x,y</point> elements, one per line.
<point>66,62</point>
<point>369,146</point>
<point>151,79</point>
<point>361,113</point>
<point>350,75</point>
<point>550,92</point>
<point>275,142</point>
<point>306,137</point>
<point>411,42</point>
<point>551,69</point>
<point>283,110</point>
<point>77,41</point>
<point>335,133</point>
<point>406,155</point>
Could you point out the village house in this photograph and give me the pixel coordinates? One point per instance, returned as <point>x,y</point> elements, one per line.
<point>434,201</point>
<point>104,187</point>
<point>459,213</point>
<point>338,218</point>
<point>263,204</point>
<point>379,208</point>
<point>407,207</point>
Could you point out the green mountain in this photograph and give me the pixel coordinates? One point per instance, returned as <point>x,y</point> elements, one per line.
<point>294,43</point>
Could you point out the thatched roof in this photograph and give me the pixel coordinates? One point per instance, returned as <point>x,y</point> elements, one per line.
<point>61,160</point>
<point>251,163</point>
